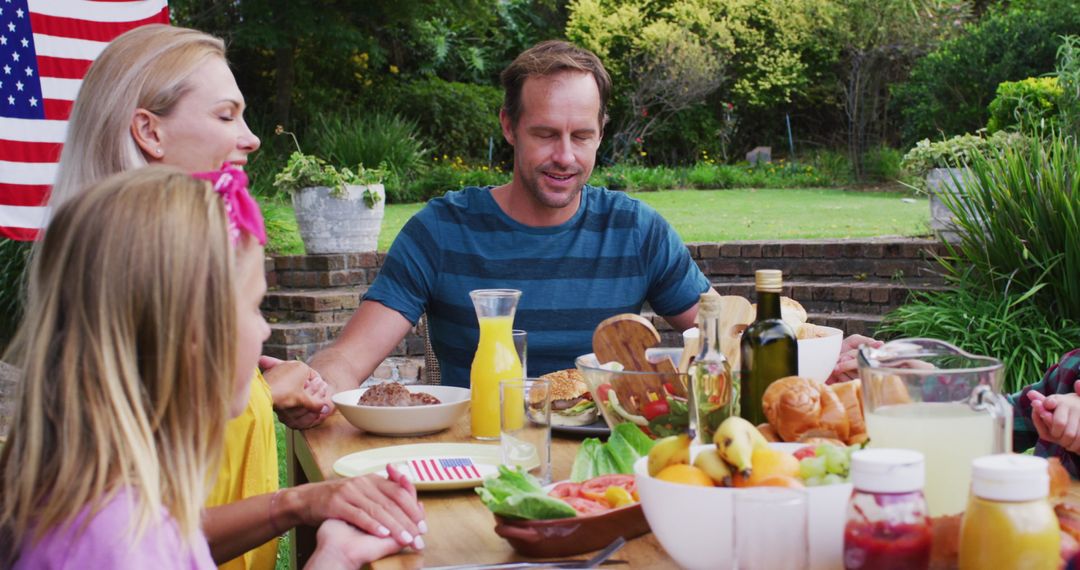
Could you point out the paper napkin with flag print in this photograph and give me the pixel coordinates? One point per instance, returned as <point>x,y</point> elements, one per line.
<point>46,46</point>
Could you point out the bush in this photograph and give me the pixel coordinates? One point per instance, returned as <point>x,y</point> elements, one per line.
<point>882,164</point>
<point>453,174</point>
<point>1011,328</point>
<point>655,178</point>
<point>1019,225</point>
<point>958,151</point>
<point>1028,104</point>
<point>684,136</point>
<point>459,118</point>
<point>949,89</point>
<point>13,257</point>
<point>372,139</point>
<point>833,165</point>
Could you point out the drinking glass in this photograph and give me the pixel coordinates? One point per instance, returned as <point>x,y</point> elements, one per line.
<point>770,529</point>
<point>521,346</point>
<point>525,426</point>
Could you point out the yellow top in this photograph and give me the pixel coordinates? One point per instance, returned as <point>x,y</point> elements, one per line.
<point>249,467</point>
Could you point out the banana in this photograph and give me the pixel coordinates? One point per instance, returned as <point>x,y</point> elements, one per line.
<point>668,451</point>
<point>736,440</point>
<point>709,461</point>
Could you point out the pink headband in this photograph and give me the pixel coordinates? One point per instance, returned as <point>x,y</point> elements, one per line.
<point>243,211</point>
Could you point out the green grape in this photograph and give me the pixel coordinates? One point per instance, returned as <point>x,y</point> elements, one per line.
<point>814,481</point>
<point>832,479</point>
<point>812,467</point>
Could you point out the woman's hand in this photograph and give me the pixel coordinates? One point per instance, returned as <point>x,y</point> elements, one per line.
<point>384,508</point>
<point>301,397</point>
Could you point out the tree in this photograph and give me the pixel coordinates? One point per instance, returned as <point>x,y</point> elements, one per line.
<point>881,40</point>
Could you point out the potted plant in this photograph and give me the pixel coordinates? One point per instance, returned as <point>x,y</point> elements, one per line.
<point>943,167</point>
<point>337,210</point>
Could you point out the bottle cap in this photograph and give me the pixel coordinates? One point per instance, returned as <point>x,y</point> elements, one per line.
<point>709,304</point>
<point>888,470</point>
<point>768,280</point>
<point>1010,477</point>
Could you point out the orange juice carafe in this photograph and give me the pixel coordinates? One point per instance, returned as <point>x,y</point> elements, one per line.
<point>495,360</point>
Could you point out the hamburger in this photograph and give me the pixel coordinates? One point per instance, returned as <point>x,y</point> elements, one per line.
<point>571,401</point>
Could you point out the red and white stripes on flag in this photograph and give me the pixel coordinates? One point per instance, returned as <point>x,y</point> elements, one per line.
<point>46,46</point>
<point>444,469</point>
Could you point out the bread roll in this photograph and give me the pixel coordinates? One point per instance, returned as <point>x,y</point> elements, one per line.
<point>850,394</point>
<point>834,417</point>
<point>793,406</point>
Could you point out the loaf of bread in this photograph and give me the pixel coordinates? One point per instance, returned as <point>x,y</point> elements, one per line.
<point>800,408</point>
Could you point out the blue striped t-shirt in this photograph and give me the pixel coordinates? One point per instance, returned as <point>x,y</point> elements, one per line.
<point>611,257</point>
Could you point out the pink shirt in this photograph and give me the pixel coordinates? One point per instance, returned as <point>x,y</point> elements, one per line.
<point>107,543</point>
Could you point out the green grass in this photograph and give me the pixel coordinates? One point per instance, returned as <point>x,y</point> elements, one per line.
<point>725,215</point>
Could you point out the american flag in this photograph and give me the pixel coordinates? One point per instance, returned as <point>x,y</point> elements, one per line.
<point>46,46</point>
<point>443,469</point>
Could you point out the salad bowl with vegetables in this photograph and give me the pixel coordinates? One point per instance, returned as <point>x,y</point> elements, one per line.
<point>599,503</point>
<point>655,402</point>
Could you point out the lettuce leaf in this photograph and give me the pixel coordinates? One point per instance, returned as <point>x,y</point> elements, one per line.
<point>514,493</point>
<point>586,460</point>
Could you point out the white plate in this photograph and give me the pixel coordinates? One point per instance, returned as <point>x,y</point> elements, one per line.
<point>485,458</point>
<point>597,428</point>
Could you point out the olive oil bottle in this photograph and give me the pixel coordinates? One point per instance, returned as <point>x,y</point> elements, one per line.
<point>768,349</point>
<point>714,395</point>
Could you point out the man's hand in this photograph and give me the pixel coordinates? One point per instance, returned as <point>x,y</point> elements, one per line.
<point>847,366</point>
<point>381,507</point>
<point>301,398</point>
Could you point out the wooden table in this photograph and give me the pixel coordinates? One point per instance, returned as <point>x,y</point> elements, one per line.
<point>461,528</point>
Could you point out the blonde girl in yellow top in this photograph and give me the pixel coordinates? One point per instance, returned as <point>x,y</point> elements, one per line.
<point>142,324</point>
<point>165,95</point>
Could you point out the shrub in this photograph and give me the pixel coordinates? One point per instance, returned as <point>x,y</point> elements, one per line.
<point>1011,328</point>
<point>832,165</point>
<point>655,178</point>
<point>1028,104</point>
<point>459,118</point>
<point>682,137</point>
<point>957,151</point>
<point>13,257</point>
<point>453,174</point>
<point>882,164</point>
<point>1068,76</point>
<point>1019,225</point>
<point>949,89</point>
<point>372,139</point>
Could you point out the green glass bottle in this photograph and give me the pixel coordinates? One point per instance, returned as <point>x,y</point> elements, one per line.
<point>715,397</point>
<point>768,349</point>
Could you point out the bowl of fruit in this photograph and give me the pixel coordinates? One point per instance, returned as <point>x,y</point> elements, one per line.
<point>654,401</point>
<point>679,482</point>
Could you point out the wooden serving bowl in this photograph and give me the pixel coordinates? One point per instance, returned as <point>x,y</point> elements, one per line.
<point>555,538</point>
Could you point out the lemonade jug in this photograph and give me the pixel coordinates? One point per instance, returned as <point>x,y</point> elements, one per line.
<point>496,358</point>
<point>932,397</point>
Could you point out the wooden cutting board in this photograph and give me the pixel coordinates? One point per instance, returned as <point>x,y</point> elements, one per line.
<point>624,338</point>
<point>735,313</point>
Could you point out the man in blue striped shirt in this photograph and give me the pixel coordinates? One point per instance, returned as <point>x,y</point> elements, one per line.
<point>578,253</point>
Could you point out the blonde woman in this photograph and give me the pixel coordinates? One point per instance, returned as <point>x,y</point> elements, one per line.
<point>165,95</point>
<point>118,425</point>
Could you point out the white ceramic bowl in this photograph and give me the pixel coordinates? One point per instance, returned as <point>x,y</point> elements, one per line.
<point>410,420</point>
<point>695,526</point>
<point>818,356</point>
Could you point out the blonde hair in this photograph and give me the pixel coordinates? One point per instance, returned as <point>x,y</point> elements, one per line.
<point>127,351</point>
<point>149,68</point>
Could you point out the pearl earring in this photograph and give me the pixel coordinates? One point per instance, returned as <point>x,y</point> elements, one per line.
<point>159,152</point>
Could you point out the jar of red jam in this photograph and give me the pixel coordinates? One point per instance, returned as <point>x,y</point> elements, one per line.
<point>888,524</point>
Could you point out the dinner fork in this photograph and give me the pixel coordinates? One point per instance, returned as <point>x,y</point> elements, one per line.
<point>597,560</point>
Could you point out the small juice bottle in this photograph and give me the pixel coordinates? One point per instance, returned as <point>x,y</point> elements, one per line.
<point>495,359</point>
<point>1009,523</point>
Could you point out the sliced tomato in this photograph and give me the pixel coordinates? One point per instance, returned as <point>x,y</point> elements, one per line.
<point>587,506</point>
<point>669,388</point>
<point>655,409</point>
<point>602,392</point>
<point>596,487</point>
<point>804,452</point>
<point>566,489</point>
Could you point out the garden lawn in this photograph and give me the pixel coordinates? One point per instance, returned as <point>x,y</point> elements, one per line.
<point>742,214</point>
